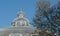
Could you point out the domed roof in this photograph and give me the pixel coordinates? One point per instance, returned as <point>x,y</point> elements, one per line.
<point>20,20</point>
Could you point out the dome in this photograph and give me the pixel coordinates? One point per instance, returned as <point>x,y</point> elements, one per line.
<point>20,20</point>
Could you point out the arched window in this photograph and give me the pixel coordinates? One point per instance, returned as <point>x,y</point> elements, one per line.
<point>20,23</point>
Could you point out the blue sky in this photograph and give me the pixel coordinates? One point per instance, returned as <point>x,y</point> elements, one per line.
<point>10,8</point>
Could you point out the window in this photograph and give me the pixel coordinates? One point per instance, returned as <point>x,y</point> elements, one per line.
<point>20,23</point>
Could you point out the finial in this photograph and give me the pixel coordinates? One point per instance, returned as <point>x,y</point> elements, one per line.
<point>20,13</point>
